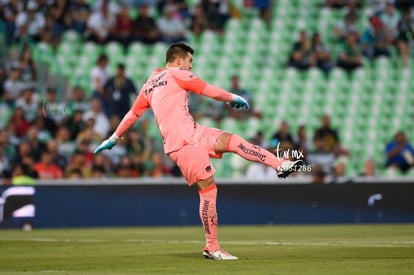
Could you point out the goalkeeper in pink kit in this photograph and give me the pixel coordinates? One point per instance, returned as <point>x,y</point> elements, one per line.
<point>189,144</point>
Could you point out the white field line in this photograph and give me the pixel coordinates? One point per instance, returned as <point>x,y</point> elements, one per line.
<point>283,243</point>
<point>55,240</point>
<point>269,243</point>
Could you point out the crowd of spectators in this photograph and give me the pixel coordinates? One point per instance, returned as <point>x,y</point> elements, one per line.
<point>54,138</point>
<point>58,143</point>
<point>125,21</point>
<point>48,138</point>
<point>322,152</point>
<point>326,160</point>
<point>51,138</point>
<point>390,25</point>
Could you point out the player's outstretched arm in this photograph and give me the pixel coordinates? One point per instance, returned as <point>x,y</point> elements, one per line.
<point>236,101</point>
<point>129,119</point>
<point>187,81</point>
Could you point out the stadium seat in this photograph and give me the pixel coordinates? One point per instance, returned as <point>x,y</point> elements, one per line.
<point>229,124</point>
<point>90,52</point>
<point>252,126</point>
<point>71,37</point>
<point>83,81</point>
<point>115,52</point>
<point>136,49</point>
<point>85,64</point>
<point>159,49</point>
<point>67,49</point>
<point>223,166</point>
<point>43,52</point>
<point>61,65</point>
<point>5,113</point>
<point>233,25</point>
<point>338,76</point>
<point>238,165</point>
<point>208,122</point>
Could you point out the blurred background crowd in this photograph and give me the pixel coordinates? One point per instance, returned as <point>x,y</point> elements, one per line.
<point>52,116</point>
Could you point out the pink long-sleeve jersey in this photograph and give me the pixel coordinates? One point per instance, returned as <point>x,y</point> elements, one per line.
<point>166,92</point>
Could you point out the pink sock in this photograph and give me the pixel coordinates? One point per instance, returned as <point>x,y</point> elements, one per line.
<point>253,152</point>
<point>208,215</point>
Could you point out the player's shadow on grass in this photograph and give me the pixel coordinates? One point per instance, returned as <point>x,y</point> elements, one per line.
<point>186,255</point>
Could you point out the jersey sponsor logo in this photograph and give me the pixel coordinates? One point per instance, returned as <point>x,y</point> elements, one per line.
<point>158,84</point>
<point>208,168</point>
<point>155,83</point>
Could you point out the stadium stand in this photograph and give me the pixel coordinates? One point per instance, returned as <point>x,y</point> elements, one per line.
<point>367,107</point>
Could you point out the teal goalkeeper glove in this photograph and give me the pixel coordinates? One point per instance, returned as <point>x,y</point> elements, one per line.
<point>239,103</point>
<point>107,144</point>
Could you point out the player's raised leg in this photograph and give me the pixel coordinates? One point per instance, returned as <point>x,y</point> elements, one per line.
<point>233,143</point>
<point>208,214</point>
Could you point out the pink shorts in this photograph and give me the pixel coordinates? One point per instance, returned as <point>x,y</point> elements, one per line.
<point>194,159</point>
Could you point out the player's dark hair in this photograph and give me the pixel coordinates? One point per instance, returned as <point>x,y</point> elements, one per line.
<point>177,50</point>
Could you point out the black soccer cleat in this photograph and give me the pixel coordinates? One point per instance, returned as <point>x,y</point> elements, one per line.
<point>220,254</point>
<point>288,167</point>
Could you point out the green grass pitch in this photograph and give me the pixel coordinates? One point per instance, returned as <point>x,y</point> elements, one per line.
<point>318,249</point>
